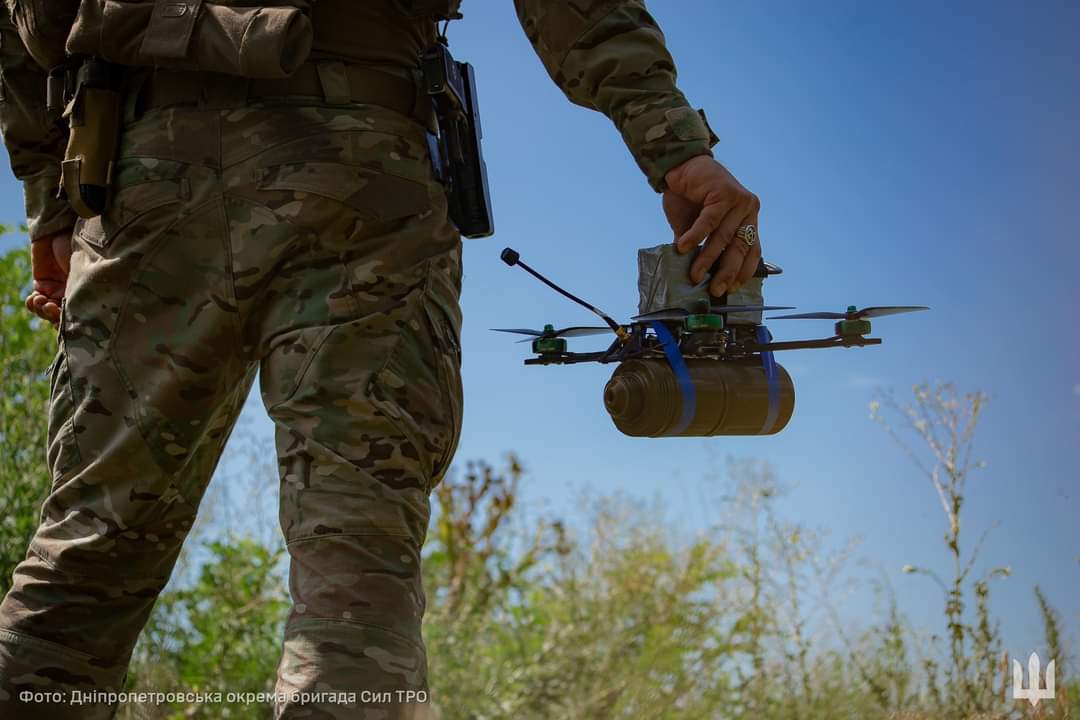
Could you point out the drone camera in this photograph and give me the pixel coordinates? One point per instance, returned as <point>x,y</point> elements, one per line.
<point>510,256</point>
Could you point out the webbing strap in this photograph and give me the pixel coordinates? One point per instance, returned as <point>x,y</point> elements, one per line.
<point>682,375</point>
<point>768,361</point>
<point>336,83</point>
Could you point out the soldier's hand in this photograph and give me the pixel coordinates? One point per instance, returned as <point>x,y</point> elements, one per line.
<point>51,260</point>
<point>704,201</point>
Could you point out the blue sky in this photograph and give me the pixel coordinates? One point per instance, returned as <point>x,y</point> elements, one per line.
<point>905,153</point>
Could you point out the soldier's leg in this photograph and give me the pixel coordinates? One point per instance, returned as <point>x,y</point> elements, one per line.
<point>146,388</point>
<point>361,375</point>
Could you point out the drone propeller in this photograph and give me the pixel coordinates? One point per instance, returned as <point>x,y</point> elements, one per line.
<point>682,313</point>
<point>853,314</point>
<point>549,332</point>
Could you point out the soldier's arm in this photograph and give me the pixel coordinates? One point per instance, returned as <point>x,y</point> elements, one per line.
<point>610,56</point>
<point>35,145</point>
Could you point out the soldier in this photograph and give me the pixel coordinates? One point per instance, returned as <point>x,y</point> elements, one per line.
<point>292,226</point>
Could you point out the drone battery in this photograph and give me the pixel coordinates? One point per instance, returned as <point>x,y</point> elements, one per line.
<point>730,397</point>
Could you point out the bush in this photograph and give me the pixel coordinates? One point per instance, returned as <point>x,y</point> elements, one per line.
<point>27,347</point>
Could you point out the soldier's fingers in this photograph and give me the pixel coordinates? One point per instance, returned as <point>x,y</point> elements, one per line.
<point>35,303</point>
<point>718,240</point>
<point>680,214</point>
<point>750,265</point>
<point>51,312</point>
<point>753,253</point>
<point>731,261</point>
<point>708,220</point>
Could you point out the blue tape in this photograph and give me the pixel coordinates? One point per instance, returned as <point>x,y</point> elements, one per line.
<point>773,378</point>
<point>682,375</point>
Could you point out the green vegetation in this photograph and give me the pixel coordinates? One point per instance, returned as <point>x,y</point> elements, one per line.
<point>222,631</point>
<point>615,617</point>
<point>27,347</point>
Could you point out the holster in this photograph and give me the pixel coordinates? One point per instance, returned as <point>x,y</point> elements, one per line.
<point>93,115</point>
<point>457,151</point>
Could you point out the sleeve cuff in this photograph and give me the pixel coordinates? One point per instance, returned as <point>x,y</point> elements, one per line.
<point>45,213</point>
<point>662,138</point>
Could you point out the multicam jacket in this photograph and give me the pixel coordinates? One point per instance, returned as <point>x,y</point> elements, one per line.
<point>606,55</point>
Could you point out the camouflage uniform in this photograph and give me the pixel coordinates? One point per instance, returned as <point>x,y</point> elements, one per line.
<point>308,240</point>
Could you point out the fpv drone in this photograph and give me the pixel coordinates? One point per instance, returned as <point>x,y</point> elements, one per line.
<point>703,369</point>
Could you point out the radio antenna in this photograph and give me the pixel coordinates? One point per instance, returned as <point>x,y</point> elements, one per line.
<point>511,257</point>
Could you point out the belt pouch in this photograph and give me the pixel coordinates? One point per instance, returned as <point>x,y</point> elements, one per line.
<point>94,120</point>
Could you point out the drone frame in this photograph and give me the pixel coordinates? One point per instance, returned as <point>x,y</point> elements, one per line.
<point>659,334</point>
<point>637,345</point>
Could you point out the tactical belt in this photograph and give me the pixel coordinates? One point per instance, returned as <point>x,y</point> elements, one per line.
<point>333,83</point>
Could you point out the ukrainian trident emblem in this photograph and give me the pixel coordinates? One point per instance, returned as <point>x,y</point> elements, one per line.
<point>1034,693</point>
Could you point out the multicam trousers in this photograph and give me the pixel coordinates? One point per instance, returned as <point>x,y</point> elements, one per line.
<point>312,244</point>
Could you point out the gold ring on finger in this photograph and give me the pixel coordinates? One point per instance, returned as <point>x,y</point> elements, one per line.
<point>748,234</point>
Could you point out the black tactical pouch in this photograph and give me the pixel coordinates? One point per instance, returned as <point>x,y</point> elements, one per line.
<point>456,151</point>
<point>93,114</point>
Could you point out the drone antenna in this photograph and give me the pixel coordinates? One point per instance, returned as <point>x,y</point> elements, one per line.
<point>511,257</point>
